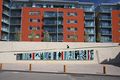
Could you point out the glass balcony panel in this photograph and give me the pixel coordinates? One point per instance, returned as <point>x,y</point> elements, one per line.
<point>6,29</point>
<point>4,36</point>
<point>89,17</point>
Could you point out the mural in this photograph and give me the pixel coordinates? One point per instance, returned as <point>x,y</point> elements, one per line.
<point>57,55</point>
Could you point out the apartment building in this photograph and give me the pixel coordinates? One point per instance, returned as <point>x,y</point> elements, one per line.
<point>58,23</point>
<point>14,24</point>
<point>107,22</point>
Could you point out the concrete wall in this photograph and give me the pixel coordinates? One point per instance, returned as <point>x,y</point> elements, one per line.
<point>104,52</point>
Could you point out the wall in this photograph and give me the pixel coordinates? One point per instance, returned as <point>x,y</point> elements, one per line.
<point>103,51</point>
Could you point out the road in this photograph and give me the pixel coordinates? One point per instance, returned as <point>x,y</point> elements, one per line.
<point>8,75</point>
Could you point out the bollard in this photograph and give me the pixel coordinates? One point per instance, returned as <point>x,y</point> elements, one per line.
<point>104,69</point>
<point>30,67</point>
<point>0,66</point>
<point>64,68</point>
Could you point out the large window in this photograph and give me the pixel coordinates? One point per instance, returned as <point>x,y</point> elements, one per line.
<point>72,37</point>
<point>72,29</point>
<point>34,13</point>
<point>34,20</point>
<point>33,28</point>
<point>72,21</point>
<point>72,14</point>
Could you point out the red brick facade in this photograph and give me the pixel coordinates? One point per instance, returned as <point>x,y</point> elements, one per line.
<point>116,26</point>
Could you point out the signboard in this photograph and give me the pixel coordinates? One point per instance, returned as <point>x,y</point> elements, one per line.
<point>58,55</point>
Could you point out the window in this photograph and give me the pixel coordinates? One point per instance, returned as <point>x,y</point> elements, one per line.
<point>72,37</point>
<point>38,28</point>
<point>34,28</point>
<point>34,13</point>
<point>30,28</point>
<point>72,14</point>
<point>34,20</point>
<point>72,21</point>
<point>119,30</point>
<point>72,29</point>
<point>119,23</point>
<point>37,36</point>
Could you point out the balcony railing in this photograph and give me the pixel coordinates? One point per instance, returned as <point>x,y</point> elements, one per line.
<point>16,14</point>
<point>106,26</point>
<point>4,37</point>
<point>89,25</point>
<point>89,17</point>
<point>6,12</point>
<point>6,4</point>
<point>5,21</point>
<point>105,10</point>
<point>105,39</point>
<point>48,15</point>
<point>89,10</point>
<point>54,30</point>
<point>105,18</point>
<point>15,22</point>
<point>53,23</point>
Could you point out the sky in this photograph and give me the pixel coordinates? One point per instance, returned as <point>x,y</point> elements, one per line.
<point>98,1</point>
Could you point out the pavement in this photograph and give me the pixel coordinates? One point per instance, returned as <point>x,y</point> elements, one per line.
<point>70,68</point>
<point>14,75</point>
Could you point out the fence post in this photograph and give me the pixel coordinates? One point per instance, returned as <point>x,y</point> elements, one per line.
<point>64,68</point>
<point>104,69</point>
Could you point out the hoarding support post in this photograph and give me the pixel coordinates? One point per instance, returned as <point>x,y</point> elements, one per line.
<point>104,69</point>
<point>64,68</point>
<point>0,66</point>
<point>30,67</point>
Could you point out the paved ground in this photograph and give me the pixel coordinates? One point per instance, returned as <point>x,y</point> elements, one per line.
<point>5,75</point>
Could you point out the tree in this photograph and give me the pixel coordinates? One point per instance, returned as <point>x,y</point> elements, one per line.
<point>74,38</point>
<point>86,36</point>
<point>46,37</point>
<point>98,37</point>
<point>17,36</point>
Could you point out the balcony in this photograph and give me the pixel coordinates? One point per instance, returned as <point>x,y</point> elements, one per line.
<point>17,5</point>
<point>89,25</point>
<point>6,4</point>
<point>90,17</point>
<point>5,29</point>
<point>91,39</point>
<point>5,21</point>
<point>105,39</point>
<point>16,30</point>
<point>106,33</point>
<point>49,30</point>
<point>50,23</point>
<point>6,12</point>
<point>16,22</point>
<point>53,15</point>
